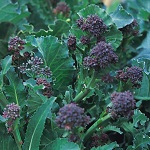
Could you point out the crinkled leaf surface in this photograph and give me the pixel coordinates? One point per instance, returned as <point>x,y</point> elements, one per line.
<point>62,144</point>
<point>36,125</point>
<point>10,12</point>
<point>15,90</point>
<point>59,27</point>
<point>121,17</point>
<point>110,146</point>
<point>56,57</point>
<point>7,143</point>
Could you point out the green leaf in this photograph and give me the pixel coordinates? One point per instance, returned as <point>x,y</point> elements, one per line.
<point>62,144</point>
<point>111,146</point>
<point>139,117</point>
<point>95,10</point>
<point>144,15</point>
<point>2,119</point>
<point>59,27</point>
<point>144,4</point>
<point>112,128</point>
<point>114,37</point>
<point>141,141</point>
<point>7,143</point>
<point>121,17</point>
<point>35,100</point>
<point>56,57</point>
<point>36,125</point>
<point>15,91</point>
<point>145,42</point>
<point>10,12</point>
<point>6,64</point>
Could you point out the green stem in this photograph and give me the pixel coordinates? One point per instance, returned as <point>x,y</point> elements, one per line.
<point>83,93</point>
<point>95,125</point>
<point>17,136</point>
<point>79,49</point>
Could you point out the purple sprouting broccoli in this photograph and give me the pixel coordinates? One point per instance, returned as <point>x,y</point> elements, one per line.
<point>62,8</point>
<point>85,40</point>
<point>47,91</point>
<point>134,74</point>
<point>11,113</point>
<point>130,29</point>
<point>100,56</point>
<point>92,24</point>
<point>71,42</point>
<point>107,78</point>
<point>35,65</point>
<point>16,44</point>
<point>98,140</point>
<point>123,105</point>
<point>72,116</point>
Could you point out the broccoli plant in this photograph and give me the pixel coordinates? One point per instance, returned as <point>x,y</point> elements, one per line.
<point>74,75</point>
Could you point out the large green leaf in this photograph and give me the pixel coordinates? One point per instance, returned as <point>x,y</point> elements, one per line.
<point>62,144</point>
<point>56,57</point>
<point>110,146</point>
<point>36,126</point>
<point>15,91</point>
<point>10,12</point>
<point>7,143</point>
<point>96,10</point>
<point>121,17</point>
<point>6,63</point>
<point>59,28</point>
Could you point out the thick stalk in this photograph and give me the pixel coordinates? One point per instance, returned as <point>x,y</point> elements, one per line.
<point>142,98</point>
<point>83,93</point>
<point>94,126</point>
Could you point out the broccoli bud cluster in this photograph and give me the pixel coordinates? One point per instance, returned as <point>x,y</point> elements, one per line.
<point>47,91</point>
<point>34,65</point>
<point>123,104</point>
<point>85,40</point>
<point>71,116</point>
<point>100,56</point>
<point>71,42</point>
<point>134,74</point>
<point>92,24</point>
<point>15,45</point>
<point>11,112</point>
<point>62,8</point>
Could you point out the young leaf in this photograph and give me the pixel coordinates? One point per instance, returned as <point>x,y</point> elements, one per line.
<point>62,144</point>
<point>6,64</point>
<point>112,128</point>
<point>56,57</point>
<point>36,125</point>
<point>121,17</point>
<point>111,146</point>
